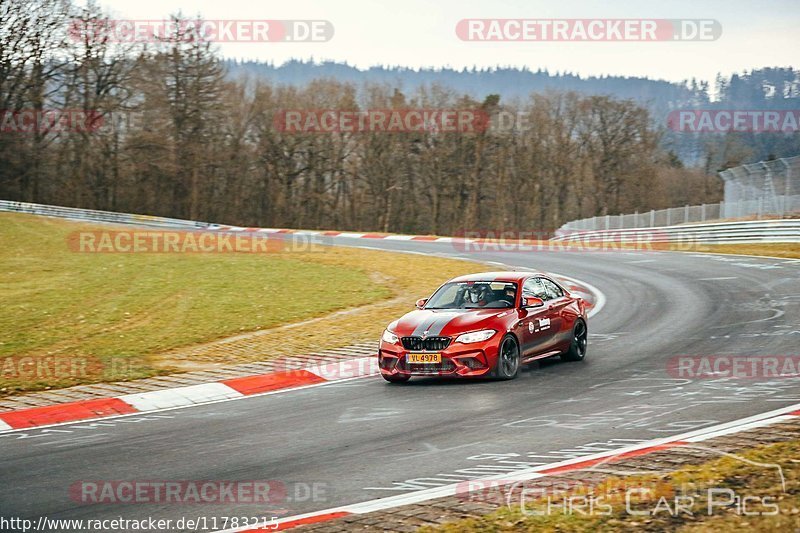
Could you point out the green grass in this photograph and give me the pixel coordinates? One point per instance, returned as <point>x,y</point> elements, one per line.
<point>108,306</point>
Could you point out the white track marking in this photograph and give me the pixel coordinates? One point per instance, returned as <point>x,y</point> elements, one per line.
<point>718,279</point>
<point>180,396</point>
<point>775,415</point>
<point>788,260</point>
<point>370,248</point>
<point>599,297</point>
<point>743,427</point>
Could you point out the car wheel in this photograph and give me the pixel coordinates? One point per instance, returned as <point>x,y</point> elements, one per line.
<point>507,366</point>
<point>396,378</point>
<point>577,348</point>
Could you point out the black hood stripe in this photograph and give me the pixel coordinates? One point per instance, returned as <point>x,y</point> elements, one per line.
<point>435,325</point>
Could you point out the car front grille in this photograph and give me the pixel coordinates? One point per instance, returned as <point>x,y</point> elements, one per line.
<point>428,344</point>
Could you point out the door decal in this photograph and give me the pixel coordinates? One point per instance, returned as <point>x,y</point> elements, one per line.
<point>539,324</point>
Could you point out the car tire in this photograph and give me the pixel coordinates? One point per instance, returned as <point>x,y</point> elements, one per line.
<point>577,347</point>
<point>508,359</point>
<point>396,378</point>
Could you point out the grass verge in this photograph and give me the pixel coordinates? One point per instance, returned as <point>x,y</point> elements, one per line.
<point>789,250</point>
<point>69,318</point>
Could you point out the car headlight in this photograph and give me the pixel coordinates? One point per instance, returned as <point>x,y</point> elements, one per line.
<point>476,336</point>
<point>389,337</point>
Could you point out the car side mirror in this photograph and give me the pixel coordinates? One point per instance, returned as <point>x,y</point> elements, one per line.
<point>421,303</point>
<point>532,301</point>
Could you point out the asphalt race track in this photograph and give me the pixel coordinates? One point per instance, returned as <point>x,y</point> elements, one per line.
<point>363,439</point>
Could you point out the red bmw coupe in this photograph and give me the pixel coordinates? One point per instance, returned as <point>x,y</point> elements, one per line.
<point>486,324</point>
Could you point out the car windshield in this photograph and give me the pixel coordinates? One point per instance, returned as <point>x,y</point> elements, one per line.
<point>474,295</point>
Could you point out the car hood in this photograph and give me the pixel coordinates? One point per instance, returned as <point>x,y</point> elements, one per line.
<point>445,322</point>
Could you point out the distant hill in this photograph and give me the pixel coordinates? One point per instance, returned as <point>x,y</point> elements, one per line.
<point>508,82</point>
<point>768,88</point>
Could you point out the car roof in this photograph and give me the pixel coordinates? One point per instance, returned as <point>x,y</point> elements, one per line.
<point>508,275</point>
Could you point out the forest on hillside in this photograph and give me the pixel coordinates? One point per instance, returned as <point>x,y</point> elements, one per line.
<point>758,89</point>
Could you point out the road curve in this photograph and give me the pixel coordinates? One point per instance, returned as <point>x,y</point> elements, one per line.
<point>363,439</point>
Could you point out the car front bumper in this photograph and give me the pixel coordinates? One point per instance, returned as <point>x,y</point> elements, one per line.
<point>458,360</point>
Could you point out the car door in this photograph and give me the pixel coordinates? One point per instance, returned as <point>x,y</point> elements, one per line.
<point>556,308</point>
<point>536,322</point>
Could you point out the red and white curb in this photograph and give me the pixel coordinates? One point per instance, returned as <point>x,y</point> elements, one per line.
<point>351,235</point>
<point>159,400</point>
<point>570,465</point>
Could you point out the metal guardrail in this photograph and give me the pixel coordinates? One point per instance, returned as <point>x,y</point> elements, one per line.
<point>785,230</point>
<point>98,216</point>
<point>761,189</point>
<point>764,231</point>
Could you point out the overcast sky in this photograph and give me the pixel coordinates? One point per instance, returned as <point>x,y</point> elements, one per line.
<point>417,33</point>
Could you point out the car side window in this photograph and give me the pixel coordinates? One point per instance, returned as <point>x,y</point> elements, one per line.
<point>553,290</point>
<point>527,288</point>
<point>534,287</point>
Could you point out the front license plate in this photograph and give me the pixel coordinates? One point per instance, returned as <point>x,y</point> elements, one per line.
<point>424,358</point>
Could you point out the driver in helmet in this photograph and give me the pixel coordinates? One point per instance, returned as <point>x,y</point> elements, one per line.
<point>477,295</point>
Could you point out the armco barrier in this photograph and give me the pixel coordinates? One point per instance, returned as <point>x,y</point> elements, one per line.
<point>98,216</point>
<point>763,231</point>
